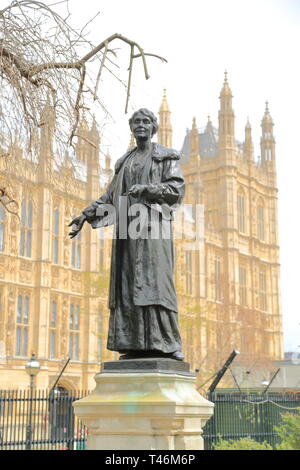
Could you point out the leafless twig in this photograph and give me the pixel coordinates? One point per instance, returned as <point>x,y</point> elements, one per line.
<point>45,63</point>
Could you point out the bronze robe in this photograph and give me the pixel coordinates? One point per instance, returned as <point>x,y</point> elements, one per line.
<point>142,298</point>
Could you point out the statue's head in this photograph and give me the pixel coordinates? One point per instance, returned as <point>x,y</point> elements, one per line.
<point>145,112</point>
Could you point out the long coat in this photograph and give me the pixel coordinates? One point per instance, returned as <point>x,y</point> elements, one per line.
<point>153,273</point>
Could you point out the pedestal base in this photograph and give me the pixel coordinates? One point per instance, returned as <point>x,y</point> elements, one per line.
<point>146,407</point>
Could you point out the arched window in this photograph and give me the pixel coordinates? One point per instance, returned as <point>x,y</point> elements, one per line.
<point>241,211</point>
<point>26,228</point>
<point>22,325</point>
<point>74,332</point>
<point>261,216</point>
<point>268,154</point>
<point>76,251</point>
<point>2,228</point>
<point>188,272</point>
<point>262,287</point>
<point>53,330</point>
<point>243,285</point>
<point>217,276</point>
<point>55,246</point>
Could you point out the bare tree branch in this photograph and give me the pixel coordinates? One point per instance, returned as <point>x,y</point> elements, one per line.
<point>5,200</point>
<point>44,62</point>
<point>100,70</point>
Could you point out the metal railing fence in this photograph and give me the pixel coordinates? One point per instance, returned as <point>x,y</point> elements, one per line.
<point>43,420</point>
<point>40,420</point>
<point>254,415</point>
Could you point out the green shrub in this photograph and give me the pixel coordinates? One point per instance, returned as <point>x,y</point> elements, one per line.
<point>242,444</point>
<point>289,432</point>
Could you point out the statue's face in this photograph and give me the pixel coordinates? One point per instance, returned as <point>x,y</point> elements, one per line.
<point>142,126</point>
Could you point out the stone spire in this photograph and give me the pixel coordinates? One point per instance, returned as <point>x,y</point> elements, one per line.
<point>226,119</point>
<point>46,140</point>
<point>267,141</point>
<point>83,137</point>
<point>209,126</point>
<point>267,121</point>
<point>89,153</point>
<point>94,137</point>
<point>226,91</point>
<point>194,142</point>
<point>248,144</point>
<point>165,126</point>
<point>107,161</point>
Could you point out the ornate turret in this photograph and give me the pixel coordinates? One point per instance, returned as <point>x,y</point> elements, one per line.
<point>48,115</point>
<point>267,141</point>
<point>108,166</point>
<point>194,143</point>
<point>209,126</point>
<point>165,126</point>
<point>83,138</point>
<point>94,142</point>
<point>89,148</point>
<point>226,119</point>
<point>107,161</point>
<point>248,144</point>
<point>94,133</point>
<point>46,140</point>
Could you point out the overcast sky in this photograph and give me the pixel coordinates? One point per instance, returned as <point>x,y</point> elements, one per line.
<point>257,42</point>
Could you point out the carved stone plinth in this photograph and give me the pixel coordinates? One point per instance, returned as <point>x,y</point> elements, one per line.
<point>149,406</point>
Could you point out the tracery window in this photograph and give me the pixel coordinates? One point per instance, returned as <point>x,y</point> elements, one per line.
<point>22,325</point>
<point>74,332</point>
<point>188,272</point>
<point>53,330</point>
<point>261,220</point>
<point>262,291</point>
<point>218,288</point>
<point>241,211</point>
<point>26,228</point>
<point>76,251</point>
<point>55,246</point>
<point>243,285</point>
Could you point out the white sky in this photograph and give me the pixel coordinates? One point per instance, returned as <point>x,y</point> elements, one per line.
<point>257,42</point>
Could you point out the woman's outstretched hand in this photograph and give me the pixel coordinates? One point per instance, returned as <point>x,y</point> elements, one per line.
<point>78,223</point>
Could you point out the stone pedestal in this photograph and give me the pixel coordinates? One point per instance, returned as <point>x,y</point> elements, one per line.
<point>143,404</point>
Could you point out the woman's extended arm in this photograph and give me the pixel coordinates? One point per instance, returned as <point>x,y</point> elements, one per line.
<point>89,214</point>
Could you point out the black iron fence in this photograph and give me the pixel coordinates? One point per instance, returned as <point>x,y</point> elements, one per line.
<point>40,420</point>
<point>43,420</point>
<point>254,415</point>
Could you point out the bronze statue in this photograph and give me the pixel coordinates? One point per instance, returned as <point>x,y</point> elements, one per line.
<point>142,300</point>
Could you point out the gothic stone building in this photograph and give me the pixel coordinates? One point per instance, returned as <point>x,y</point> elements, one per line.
<point>53,290</point>
<point>228,280</point>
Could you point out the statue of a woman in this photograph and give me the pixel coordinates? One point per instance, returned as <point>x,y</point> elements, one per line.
<point>142,300</point>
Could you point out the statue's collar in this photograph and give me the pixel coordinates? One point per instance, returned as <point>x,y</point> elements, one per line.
<point>158,153</point>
